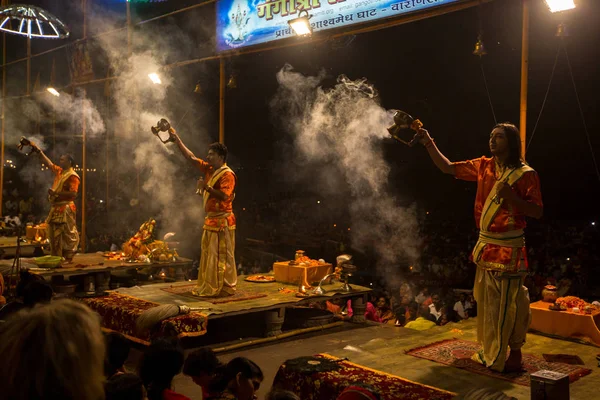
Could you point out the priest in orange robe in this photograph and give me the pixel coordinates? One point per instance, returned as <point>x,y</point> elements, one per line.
<point>217,274</point>
<point>62,222</point>
<point>508,191</point>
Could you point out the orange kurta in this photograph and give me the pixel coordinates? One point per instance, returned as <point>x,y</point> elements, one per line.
<point>483,171</point>
<point>70,185</point>
<point>225,184</point>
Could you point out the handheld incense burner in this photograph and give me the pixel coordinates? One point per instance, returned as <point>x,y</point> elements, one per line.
<point>24,142</point>
<point>404,128</point>
<point>159,130</point>
<point>343,271</point>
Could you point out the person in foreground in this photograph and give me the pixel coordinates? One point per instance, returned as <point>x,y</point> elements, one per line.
<point>240,379</point>
<point>508,190</point>
<point>52,351</point>
<point>62,221</point>
<point>217,275</point>
<point>157,368</point>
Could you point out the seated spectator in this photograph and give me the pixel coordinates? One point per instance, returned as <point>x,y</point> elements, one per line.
<point>423,322</point>
<point>341,308</point>
<point>117,352</point>
<point>446,316</point>
<point>158,366</point>
<point>472,311</point>
<point>34,292</point>
<point>201,365</point>
<point>240,379</point>
<point>435,308</point>
<point>125,387</point>
<point>461,306</point>
<point>54,351</point>
<point>12,221</point>
<point>412,312</point>
<point>384,314</point>
<point>277,394</point>
<point>423,297</point>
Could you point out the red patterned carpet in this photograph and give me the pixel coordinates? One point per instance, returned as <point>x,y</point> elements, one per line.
<point>329,381</point>
<point>119,313</point>
<point>186,290</point>
<point>457,353</point>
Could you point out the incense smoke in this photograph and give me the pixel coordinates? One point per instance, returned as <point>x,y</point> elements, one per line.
<point>166,192</point>
<point>341,129</point>
<point>122,124</point>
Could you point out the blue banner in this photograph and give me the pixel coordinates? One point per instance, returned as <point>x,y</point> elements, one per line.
<point>243,23</point>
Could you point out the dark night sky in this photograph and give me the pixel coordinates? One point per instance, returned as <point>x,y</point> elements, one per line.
<point>425,68</point>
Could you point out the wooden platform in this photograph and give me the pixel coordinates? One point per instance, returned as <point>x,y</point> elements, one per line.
<point>253,317</point>
<point>275,298</point>
<point>93,262</point>
<point>8,247</point>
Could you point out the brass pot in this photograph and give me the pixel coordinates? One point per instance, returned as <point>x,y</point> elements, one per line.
<point>549,294</point>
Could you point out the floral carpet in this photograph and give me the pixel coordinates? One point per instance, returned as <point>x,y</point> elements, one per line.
<point>119,313</point>
<point>310,382</point>
<point>457,353</point>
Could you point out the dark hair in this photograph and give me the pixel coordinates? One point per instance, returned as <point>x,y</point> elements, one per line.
<point>158,366</point>
<point>220,149</point>
<point>201,361</point>
<point>424,312</point>
<point>279,394</point>
<point>117,351</point>
<point>239,365</point>
<point>37,292</point>
<point>25,278</point>
<point>70,158</point>
<point>413,305</point>
<point>514,144</point>
<point>124,387</point>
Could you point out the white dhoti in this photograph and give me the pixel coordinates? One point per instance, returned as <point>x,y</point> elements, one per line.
<point>62,230</point>
<point>503,315</point>
<point>217,275</point>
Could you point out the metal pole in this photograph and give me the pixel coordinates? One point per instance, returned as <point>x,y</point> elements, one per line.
<point>3,106</point>
<point>83,152</point>
<point>130,122</point>
<point>83,175</point>
<point>524,74</point>
<point>28,66</point>
<point>107,94</point>
<point>222,101</point>
<point>53,109</point>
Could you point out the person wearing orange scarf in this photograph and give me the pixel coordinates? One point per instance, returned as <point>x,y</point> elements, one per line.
<point>217,275</point>
<point>508,191</point>
<point>62,222</point>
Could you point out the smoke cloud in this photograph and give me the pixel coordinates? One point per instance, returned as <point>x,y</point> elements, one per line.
<point>166,185</point>
<point>341,129</point>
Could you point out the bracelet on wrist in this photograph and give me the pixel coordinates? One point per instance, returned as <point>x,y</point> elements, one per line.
<point>429,143</point>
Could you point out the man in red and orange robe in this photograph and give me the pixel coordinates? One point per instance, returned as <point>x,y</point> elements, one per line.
<point>217,274</point>
<point>508,190</point>
<point>62,222</point>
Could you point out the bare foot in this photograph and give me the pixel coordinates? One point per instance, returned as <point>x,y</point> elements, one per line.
<point>514,362</point>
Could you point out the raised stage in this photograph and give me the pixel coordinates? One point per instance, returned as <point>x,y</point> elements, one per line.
<point>29,248</point>
<point>258,310</point>
<point>94,268</point>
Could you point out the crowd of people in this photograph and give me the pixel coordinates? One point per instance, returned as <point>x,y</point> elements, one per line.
<point>56,350</point>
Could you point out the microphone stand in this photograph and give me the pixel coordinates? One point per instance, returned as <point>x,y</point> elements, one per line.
<point>15,270</point>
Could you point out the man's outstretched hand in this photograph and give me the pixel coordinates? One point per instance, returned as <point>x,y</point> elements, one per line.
<point>422,136</point>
